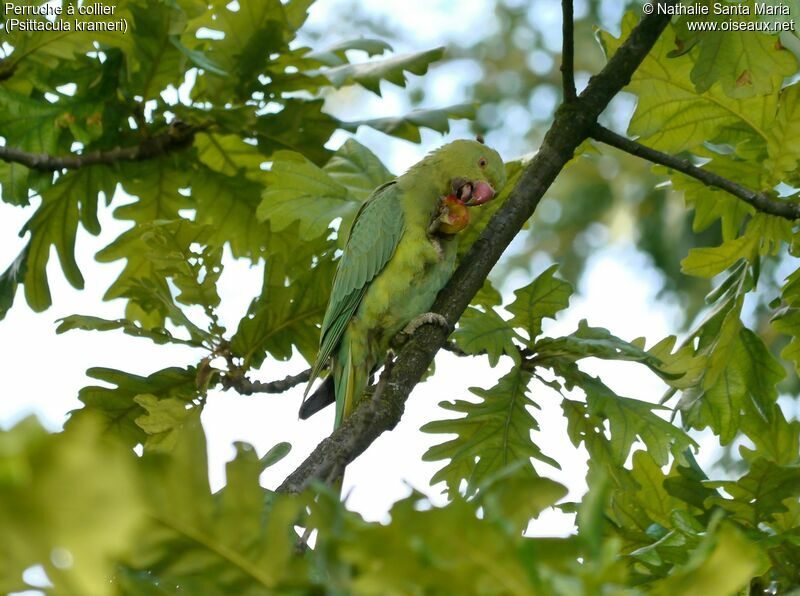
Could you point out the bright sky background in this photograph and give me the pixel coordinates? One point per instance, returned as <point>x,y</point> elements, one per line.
<point>43,372</point>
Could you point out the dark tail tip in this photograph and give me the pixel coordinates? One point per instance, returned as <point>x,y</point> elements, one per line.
<point>322,397</point>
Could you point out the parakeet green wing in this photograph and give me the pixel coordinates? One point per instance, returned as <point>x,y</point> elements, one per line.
<point>374,236</point>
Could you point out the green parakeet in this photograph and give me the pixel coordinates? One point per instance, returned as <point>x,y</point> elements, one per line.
<point>401,251</point>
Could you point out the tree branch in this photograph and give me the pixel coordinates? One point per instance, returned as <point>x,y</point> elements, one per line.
<point>568,51</point>
<point>571,126</point>
<point>7,69</point>
<point>178,136</point>
<point>245,386</point>
<point>759,200</point>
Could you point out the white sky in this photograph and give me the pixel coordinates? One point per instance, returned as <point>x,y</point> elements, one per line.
<point>43,372</point>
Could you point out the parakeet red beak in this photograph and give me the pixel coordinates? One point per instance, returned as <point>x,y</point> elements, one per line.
<point>472,194</point>
<point>481,193</point>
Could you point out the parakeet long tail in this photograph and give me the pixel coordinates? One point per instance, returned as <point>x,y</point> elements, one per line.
<point>324,395</point>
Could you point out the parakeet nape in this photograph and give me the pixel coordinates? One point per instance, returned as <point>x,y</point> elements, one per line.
<point>400,252</point>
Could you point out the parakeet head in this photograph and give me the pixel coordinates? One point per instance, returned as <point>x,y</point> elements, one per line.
<point>466,173</point>
<point>470,170</point>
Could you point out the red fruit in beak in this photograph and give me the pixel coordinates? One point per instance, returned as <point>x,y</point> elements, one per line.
<point>481,193</point>
<point>454,216</point>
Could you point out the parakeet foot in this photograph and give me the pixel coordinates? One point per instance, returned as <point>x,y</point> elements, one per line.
<point>427,318</point>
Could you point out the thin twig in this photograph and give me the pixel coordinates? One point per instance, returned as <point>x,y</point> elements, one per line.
<point>568,51</point>
<point>758,200</point>
<point>245,386</point>
<point>178,136</point>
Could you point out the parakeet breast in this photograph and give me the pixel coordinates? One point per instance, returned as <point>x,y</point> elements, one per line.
<point>412,279</point>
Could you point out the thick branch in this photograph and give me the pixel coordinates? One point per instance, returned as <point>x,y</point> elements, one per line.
<point>568,51</point>
<point>572,125</point>
<point>759,200</point>
<point>178,136</point>
<point>245,386</point>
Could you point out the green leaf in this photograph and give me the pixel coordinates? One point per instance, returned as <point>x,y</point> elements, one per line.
<point>227,205</point>
<point>197,58</point>
<point>652,494</point>
<point>787,318</point>
<point>301,126</point>
<point>370,74</point>
<point>163,421</point>
<point>177,251</point>
<point>297,190</point>
<point>424,550</point>
<point>275,454</point>
<point>14,183</point>
<point>286,317</point>
<point>215,544</point>
<point>591,513</point>
<point>116,406</point>
<point>516,494</point>
<point>156,61</point>
<point>783,142</point>
<point>255,30</point>
<point>599,343</point>
<point>758,495</point>
<point>180,250</point>
<point>485,332</point>
<point>775,438</point>
<point>10,280</point>
<point>408,126</point>
<point>156,186</point>
<point>688,483</point>
<point>228,154</point>
<point>629,420</point>
<point>59,495</point>
<point>28,124</point>
<point>336,55</point>
<point>491,434</point>
<point>722,564</point>
<point>710,203</point>
<point>708,262</point>
<point>90,323</point>
<point>541,299</point>
<point>745,63</point>
<point>723,343</point>
<point>788,321</point>
<point>357,169</point>
<point>671,116</point>
<point>746,376</point>
<point>680,369</point>
<point>72,199</point>
<point>487,296</point>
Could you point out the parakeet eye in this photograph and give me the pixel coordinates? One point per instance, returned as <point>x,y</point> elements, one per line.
<point>482,162</point>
